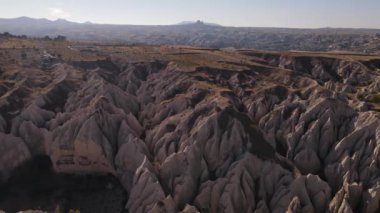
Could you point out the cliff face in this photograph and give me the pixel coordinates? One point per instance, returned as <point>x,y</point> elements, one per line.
<point>171,129</point>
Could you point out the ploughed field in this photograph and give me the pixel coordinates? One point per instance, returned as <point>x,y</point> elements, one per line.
<point>117,128</point>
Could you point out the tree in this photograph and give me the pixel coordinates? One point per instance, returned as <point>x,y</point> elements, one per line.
<point>7,34</point>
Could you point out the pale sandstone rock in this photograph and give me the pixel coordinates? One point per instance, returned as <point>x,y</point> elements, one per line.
<point>13,152</point>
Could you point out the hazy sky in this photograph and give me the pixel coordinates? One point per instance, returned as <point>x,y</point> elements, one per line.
<point>260,13</point>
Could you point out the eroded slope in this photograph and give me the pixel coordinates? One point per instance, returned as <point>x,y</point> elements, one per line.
<point>185,129</point>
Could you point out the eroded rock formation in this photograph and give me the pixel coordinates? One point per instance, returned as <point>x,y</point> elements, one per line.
<point>263,132</point>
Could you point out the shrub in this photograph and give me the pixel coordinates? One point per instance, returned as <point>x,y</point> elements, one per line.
<point>359,96</point>
<point>23,55</point>
<point>374,98</point>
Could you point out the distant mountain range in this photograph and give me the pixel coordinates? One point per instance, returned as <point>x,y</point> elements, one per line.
<point>201,34</point>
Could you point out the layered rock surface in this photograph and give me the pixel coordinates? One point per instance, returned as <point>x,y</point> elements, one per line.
<point>197,130</point>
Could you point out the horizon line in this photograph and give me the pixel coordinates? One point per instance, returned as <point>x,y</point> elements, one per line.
<point>179,23</point>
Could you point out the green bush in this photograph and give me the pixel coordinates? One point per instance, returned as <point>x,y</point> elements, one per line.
<point>359,96</point>
<point>374,98</point>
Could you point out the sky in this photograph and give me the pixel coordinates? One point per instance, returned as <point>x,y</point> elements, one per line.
<point>255,13</point>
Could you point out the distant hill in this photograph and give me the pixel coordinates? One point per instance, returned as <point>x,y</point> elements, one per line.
<point>35,27</point>
<point>199,23</point>
<point>201,34</point>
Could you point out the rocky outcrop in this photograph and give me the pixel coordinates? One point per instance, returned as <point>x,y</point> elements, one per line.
<point>287,133</point>
<point>13,152</point>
